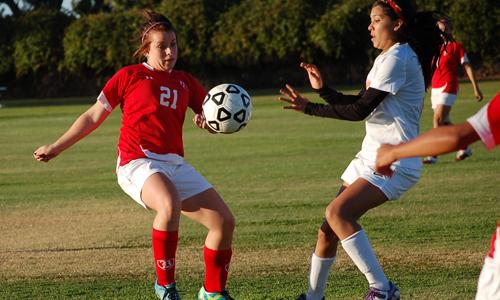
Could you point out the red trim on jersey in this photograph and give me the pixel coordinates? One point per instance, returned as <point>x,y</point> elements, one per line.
<point>495,241</point>
<point>154,104</point>
<point>494,118</point>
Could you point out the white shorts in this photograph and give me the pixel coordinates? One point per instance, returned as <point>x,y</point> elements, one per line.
<point>187,180</point>
<point>438,97</point>
<point>393,187</point>
<point>488,287</point>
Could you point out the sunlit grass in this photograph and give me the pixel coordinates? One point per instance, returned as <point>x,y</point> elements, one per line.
<point>68,231</point>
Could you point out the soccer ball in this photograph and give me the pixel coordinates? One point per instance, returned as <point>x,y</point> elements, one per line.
<point>227,108</point>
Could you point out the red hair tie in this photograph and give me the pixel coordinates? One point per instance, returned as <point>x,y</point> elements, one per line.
<point>396,9</point>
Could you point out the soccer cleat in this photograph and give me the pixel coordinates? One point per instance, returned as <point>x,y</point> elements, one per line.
<point>204,295</point>
<point>168,292</point>
<point>304,297</point>
<point>430,160</point>
<point>376,294</point>
<point>463,154</point>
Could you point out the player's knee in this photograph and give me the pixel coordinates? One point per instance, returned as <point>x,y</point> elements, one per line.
<point>326,234</point>
<point>333,213</point>
<point>438,119</point>
<point>228,223</point>
<point>337,214</point>
<point>170,208</point>
<point>224,223</point>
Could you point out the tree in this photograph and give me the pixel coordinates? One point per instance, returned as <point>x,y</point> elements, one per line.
<point>21,7</point>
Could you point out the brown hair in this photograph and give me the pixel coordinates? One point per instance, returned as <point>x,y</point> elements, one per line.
<point>154,22</point>
<point>419,30</point>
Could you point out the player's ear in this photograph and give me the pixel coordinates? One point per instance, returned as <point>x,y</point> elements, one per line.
<point>398,24</point>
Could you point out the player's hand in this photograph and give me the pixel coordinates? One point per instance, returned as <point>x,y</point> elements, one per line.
<point>385,158</point>
<point>199,120</point>
<point>45,153</point>
<point>292,96</point>
<point>479,95</point>
<point>314,75</point>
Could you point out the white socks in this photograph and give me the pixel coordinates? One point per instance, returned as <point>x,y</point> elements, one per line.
<point>318,275</point>
<point>358,248</point>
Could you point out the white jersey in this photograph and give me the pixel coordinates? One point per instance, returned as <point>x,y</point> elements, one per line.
<point>396,119</point>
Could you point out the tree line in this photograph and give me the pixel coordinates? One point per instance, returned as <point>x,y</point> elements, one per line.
<point>48,51</point>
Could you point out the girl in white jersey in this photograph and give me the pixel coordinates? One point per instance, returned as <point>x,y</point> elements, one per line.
<point>391,102</point>
<point>151,169</point>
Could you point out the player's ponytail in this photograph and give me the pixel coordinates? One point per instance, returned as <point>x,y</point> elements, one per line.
<point>419,30</point>
<point>425,39</point>
<point>154,21</point>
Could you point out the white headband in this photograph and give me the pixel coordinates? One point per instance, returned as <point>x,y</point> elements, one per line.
<point>149,28</point>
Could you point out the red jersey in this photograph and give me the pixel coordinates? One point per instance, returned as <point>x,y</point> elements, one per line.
<point>486,122</point>
<point>154,104</point>
<point>452,56</point>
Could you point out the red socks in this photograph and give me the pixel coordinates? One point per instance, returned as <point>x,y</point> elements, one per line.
<point>216,268</point>
<point>164,249</point>
<point>216,261</point>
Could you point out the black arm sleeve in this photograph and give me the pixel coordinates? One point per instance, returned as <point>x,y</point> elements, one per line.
<point>355,111</point>
<point>332,96</point>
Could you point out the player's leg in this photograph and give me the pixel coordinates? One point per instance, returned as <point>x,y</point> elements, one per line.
<point>159,194</point>
<point>208,209</point>
<point>147,182</point>
<point>322,260</point>
<point>441,115</point>
<point>342,215</point>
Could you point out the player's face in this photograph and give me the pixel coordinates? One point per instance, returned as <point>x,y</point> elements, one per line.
<point>444,27</point>
<point>382,29</point>
<point>162,54</point>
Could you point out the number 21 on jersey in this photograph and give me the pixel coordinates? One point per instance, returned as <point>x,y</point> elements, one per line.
<point>168,97</point>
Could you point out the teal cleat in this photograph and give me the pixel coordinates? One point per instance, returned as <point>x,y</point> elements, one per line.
<point>204,295</point>
<point>168,292</point>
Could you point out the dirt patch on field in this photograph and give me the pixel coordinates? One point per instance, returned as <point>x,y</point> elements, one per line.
<point>113,238</point>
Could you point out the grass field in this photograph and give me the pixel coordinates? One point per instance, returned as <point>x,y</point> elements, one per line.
<point>68,231</point>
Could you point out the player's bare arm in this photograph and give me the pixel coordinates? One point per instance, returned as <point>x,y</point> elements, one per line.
<point>84,125</point>
<point>437,141</point>
<point>470,73</point>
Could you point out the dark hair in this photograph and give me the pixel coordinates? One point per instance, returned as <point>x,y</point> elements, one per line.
<point>419,30</point>
<point>447,36</point>
<point>154,21</point>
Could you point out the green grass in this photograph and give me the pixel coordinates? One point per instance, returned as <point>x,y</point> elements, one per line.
<point>68,231</point>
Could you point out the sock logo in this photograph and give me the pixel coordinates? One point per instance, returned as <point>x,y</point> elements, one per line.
<point>226,267</point>
<point>165,264</point>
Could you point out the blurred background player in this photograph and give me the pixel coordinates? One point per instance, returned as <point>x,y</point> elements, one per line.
<point>151,169</point>
<point>484,125</point>
<point>445,82</point>
<point>391,102</point>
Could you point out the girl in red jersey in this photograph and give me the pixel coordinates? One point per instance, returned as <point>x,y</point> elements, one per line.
<point>484,126</point>
<point>151,169</point>
<point>445,83</point>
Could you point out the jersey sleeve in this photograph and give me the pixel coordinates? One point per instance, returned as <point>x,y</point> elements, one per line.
<point>486,122</point>
<point>390,76</point>
<point>112,93</point>
<point>196,94</point>
<point>464,59</point>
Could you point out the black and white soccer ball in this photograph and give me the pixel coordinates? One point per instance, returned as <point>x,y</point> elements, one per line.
<point>227,108</point>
